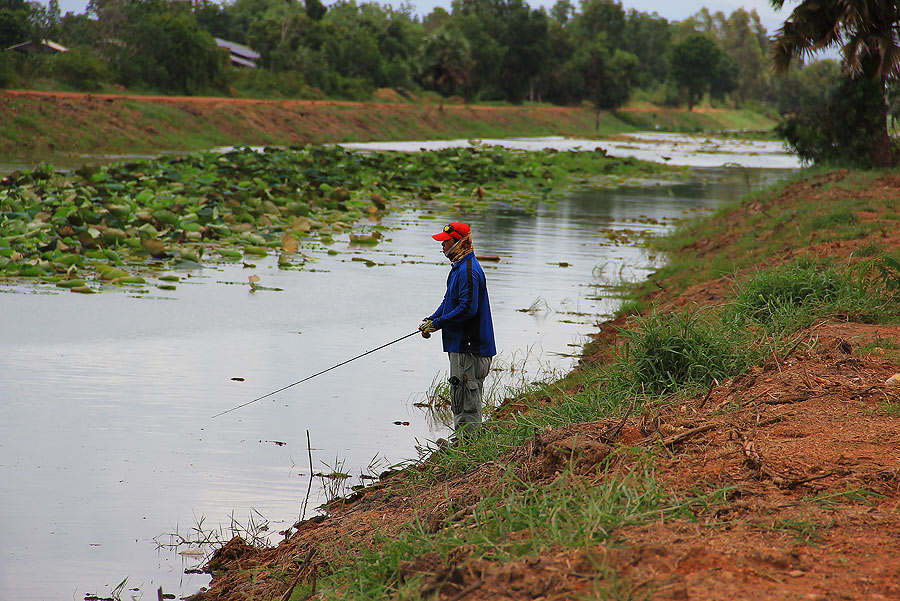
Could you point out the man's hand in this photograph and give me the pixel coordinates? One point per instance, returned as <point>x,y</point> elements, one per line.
<point>427,327</point>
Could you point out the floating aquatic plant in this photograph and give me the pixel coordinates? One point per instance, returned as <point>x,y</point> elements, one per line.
<point>124,223</point>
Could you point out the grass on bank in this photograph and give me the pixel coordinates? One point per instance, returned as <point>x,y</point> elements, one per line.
<point>569,513</point>
<point>667,356</point>
<point>813,207</point>
<point>132,125</point>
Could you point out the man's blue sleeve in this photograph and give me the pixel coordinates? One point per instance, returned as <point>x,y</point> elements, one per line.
<point>467,304</point>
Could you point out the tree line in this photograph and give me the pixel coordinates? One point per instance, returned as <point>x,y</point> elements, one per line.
<point>597,53</point>
<point>479,50</point>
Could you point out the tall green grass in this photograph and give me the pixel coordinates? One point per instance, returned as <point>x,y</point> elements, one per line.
<point>522,520</point>
<point>792,296</point>
<point>668,352</point>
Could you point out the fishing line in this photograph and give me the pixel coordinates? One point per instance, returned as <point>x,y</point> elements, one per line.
<point>316,374</point>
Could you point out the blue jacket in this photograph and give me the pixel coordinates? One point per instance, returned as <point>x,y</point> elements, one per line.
<point>464,316</point>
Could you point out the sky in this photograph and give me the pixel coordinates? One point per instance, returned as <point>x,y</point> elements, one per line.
<point>671,10</point>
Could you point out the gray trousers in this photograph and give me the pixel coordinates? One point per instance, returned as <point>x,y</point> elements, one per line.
<point>467,374</point>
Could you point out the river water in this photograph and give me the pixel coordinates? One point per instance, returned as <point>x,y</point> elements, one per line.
<point>108,447</point>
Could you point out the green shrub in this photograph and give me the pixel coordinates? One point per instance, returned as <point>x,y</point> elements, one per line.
<point>670,351</point>
<point>792,296</point>
<point>8,75</point>
<point>80,69</point>
<point>840,127</point>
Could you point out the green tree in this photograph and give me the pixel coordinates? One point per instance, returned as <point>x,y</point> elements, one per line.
<point>744,40</point>
<point>726,78</point>
<point>558,81</point>
<point>241,14</point>
<point>215,19</point>
<point>805,85</point>
<point>600,18</point>
<point>694,66</point>
<point>527,45</point>
<point>509,43</point>
<point>562,12</point>
<point>315,10</point>
<point>78,30</point>
<point>15,23</point>
<point>866,33</point>
<point>607,78</point>
<point>446,62</point>
<point>648,38</point>
<point>840,127</point>
<point>158,43</point>
<point>436,19</point>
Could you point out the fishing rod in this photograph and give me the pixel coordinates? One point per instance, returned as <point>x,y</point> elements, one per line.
<point>316,374</point>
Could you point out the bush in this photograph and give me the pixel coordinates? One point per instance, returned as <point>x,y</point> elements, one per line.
<point>841,127</point>
<point>792,296</point>
<point>80,69</point>
<point>667,352</point>
<point>8,75</point>
<point>263,83</point>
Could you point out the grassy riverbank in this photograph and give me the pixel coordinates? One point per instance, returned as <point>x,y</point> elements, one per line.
<point>41,125</point>
<point>737,440</point>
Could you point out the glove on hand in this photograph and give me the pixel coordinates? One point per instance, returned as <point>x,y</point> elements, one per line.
<point>427,327</point>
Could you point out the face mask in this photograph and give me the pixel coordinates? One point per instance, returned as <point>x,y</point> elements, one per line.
<point>460,249</point>
<point>449,252</point>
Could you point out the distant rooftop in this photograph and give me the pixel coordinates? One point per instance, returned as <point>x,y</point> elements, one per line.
<point>239,51</point>
<point>44,46</point>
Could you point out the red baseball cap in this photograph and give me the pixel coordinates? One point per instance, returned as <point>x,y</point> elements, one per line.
<point>455,230</point>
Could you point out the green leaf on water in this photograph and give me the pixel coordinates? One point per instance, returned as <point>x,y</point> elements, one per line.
<point>70,284</point>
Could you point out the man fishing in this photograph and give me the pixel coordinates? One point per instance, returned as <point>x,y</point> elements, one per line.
<point>464,318</point>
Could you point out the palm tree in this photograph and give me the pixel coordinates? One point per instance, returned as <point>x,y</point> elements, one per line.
<point>864,31</point>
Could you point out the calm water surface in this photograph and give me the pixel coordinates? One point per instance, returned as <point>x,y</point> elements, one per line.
<point>106,439</point>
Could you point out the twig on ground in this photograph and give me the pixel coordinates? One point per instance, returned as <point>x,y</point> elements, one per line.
<point>469,589</point>
<point>676,438</point>
<point>303,568</point>
<point>609,435</point>
<point>712,387</point>
<point>309,487</point>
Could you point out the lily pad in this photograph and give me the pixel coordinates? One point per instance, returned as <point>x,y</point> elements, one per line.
<point>230,253</point>
<point>70,284</point>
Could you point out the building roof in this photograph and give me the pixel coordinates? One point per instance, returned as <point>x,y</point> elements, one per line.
<point>45,45</point>
<point>243,62</point>
<point>238,49</point>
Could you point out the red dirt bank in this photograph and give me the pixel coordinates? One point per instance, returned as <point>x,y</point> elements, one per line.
<point>37,125</point>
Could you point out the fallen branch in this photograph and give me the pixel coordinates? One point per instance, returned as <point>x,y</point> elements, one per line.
<point>798,399</point>
<point>609,435</point>
<point>712,387</point>
<point>471,588</point>
<point>303,568</point>
<point>798,482</point>
<point>676,438</point>
<point>771,420</point>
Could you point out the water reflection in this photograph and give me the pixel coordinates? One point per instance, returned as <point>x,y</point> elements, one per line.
<point>106,440</point>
